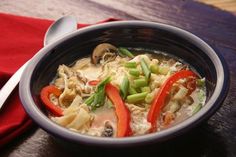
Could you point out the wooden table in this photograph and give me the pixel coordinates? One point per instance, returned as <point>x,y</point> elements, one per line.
<point>213,138</point>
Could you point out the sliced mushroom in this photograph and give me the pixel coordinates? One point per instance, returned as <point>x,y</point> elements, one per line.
<point>108,130</point>
<point>100,50</point>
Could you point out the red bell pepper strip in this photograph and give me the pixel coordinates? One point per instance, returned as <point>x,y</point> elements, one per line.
<point>44,95</point>
<point>159,100</point>
<point>122,112</point>
<point>93,82</point>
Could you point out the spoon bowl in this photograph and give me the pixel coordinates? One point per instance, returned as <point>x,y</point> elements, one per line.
<point>59,28</point>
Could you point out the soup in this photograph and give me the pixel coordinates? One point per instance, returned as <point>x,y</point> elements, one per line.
<point>116,93</point>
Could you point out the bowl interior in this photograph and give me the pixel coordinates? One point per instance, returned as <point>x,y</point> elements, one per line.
<point>149,39</point>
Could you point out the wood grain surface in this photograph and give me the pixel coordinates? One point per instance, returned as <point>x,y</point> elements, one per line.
<point>213,138</point>
<point>229,5</point>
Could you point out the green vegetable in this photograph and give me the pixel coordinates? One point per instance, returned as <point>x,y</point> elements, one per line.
<point>134,72</point>
<point>121,54</point>
<point>131,90</point>
<point>134,98</point>
<point>126,52</point>
<point>102,84</point>
<point>98,98</point>
<point>154,68</point>
<point>163,69</point>
<point>201,95</point>
<point>197,108</point>
<point>200,82</point>
<point>89,100</point>
<point>140,82</point>
<point>145,69</point>
<point>130,64</point>
<point>146,89</point>
<point>124,87</point>
<point>149,98</point>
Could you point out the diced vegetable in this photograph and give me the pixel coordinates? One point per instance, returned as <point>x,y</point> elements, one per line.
<point>154,68</point>
<point>45,94</point>
<point>146,89</point>
<point>201,82</point>
<point>124,87</point>
<point>201,95</point>
<point>159,100</point>
<point>121,54</point>
<point>98,98</point>
<point>125,52</point>
<point>163,70</point>
<point>134,98</point>
<point>149,98</point>
<point>132,90</point>
<point>93,82</point>
<point>182,92</point>
<point>122,112</point>
<point>140,82</point>
<point>130,64</point>
<point>102,84</point>
<point>197,108</point>
<point>134,72</point>
<point>145,69</point>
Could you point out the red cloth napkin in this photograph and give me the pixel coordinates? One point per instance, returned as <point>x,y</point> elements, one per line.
<point>21,38</point>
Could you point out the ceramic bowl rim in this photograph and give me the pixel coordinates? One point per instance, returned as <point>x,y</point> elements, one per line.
<point>214,102</point>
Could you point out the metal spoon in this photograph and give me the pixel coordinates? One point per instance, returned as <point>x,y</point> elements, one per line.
<point>58,29</point>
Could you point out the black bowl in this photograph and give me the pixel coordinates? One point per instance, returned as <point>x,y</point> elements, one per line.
<point>136,34</point>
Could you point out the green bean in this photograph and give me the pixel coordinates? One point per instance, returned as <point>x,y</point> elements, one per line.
<point>140,82</point>
<point>154,68</point>
<point>89,100</point>
<point>146,89</point>
<point>134,72</point>
<point>124,87</point>
<point>126,52</point>
<point>132,90</point>
<point>130,64</point>
<point>145,69</point>
<point>134,98</point>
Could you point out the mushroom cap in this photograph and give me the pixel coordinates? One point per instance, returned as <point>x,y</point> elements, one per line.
<point>100,50</point>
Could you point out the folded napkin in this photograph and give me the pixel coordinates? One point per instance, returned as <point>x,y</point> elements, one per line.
<point>21,38</point>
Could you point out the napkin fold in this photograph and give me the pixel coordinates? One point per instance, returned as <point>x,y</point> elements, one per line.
<point>21,37</point>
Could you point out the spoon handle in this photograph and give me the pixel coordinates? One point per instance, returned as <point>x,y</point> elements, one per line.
<point>7,89</point>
